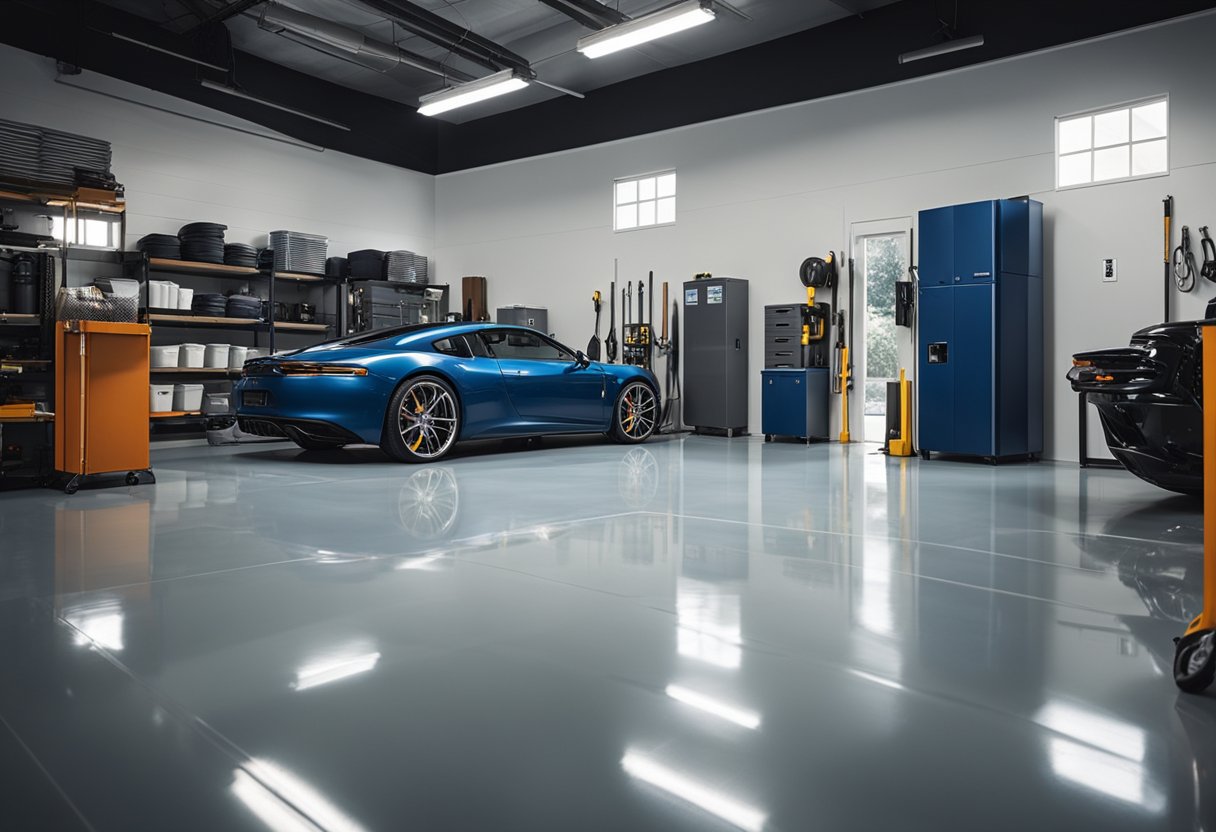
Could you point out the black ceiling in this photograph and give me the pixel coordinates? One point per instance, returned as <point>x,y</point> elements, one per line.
<point>849,53</point>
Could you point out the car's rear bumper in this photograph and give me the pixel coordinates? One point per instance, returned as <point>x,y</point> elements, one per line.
<point>307,429</point>
<point>352,406</point>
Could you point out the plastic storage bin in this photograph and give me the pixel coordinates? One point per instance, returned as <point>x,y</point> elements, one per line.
<point>236,357</point>
<point>161,399</point>
<point>185,297</point>
<point>187,397</point>
<point>166,356</point>
<point>217,356</point>
<point>191,355</point>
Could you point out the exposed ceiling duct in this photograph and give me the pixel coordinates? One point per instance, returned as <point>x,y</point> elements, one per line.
<point>590,13</point>
<point>459,40</point>
<point>368,52</point>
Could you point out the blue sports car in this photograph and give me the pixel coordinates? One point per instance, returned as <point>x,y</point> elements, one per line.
<point>417,390</point>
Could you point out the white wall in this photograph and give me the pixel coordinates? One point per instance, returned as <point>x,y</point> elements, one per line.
<point>178,170</point>
<point>759,193</point>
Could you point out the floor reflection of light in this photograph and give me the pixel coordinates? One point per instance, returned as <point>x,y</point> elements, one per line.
<point>874,611</point>
<point>700,795</point>
<point>424,563</point>
<point>333,668</point>
<point>99,625</point>
<point>878,680</point>
<point>1109,774</point>
<point>709,627</point>
<point>1102,732</point>
<point>739,716</point>
<point>284,801</point>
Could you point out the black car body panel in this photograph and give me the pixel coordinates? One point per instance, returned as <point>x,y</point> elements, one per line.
<point>1149,396</point>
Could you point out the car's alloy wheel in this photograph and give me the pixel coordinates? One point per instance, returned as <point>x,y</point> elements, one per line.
<point>424,420</point>
<point>636,413</point>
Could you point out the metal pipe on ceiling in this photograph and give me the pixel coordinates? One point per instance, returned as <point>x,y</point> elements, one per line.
<point>459,40</point>
<point>369,52</point>
<point>589,13</point>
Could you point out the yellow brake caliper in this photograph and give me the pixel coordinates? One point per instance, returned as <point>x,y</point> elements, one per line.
<point>417,409</point>
<point>629,417</point>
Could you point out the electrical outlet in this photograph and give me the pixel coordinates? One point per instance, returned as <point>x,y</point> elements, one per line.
<point>1110,272</point>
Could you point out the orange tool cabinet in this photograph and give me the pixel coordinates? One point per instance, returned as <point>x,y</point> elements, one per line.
<point>101,401</point>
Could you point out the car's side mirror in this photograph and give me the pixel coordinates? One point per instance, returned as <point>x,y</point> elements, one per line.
<point>581,360</point>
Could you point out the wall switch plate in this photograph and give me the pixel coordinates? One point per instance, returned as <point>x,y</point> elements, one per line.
<point>1110,272</point>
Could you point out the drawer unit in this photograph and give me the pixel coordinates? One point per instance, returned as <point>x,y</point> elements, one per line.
<point>795,403</point>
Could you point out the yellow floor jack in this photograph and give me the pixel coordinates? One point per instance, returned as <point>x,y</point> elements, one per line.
<point>1195,652</point>
<point>901,445</point>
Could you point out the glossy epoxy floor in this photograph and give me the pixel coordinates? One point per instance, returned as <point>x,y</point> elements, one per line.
<point>694,634</point>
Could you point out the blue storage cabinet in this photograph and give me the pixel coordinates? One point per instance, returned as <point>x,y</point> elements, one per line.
<point>979,370</point>
<point>795,403</point>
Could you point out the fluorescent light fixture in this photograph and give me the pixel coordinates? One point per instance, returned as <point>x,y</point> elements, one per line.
<point>739,716</point>
<point>646,28</point>
<point>168,52</point>
<point>272,792</point>
<point>702,796</point>
<point>234,92</point>
<point>1100,731</point>
<point>956,45</point>
<point>461,95</point>
<point>332,669</point>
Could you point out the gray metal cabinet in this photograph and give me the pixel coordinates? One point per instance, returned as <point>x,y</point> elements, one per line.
<point>715,354</point>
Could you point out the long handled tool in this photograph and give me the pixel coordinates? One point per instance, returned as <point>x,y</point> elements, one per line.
<point>1169,210</point>
<point>846,367</point>
<point>611,342</point>
<point>650,324</point>
<point>1209,254</point>
<point>593,346</point>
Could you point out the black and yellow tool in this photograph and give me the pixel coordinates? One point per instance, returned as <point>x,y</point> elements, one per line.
<point>901,443</point>
<point>593,346</point>
<point>1195,651</point>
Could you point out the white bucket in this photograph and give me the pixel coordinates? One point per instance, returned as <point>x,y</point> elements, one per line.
<point>156,294</point>
<point>236,357</point>
<point>161,398</point>
<point>171,295</point>
<point>165,356</point>
<point>188,397</point>
<point>191,355</point>
<point>185,297</point>
<point>217,356</point>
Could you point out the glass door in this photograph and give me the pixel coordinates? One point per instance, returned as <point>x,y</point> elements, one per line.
<point>880,251</point>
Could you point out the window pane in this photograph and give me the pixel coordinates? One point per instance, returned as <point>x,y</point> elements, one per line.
<point>646,213</point>
<point>626,192</point>
<point>627,216</point>
<point>1074,169</point>
<point>57,228</point>
<point>1076,134</point>
<point>1110,163</point>
<point>1149,157</point>
<point>646,188</point>
<point>667,210</point>
<point>96,233</point>
<point>667,185</point>
<point>1110,128</point>
<point>1149,121</point>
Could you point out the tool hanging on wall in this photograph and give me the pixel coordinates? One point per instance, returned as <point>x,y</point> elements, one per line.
<point>1209,255</point>
<point>1168,202</point>
<point>846,367</point>
<point>610,344</point>
<point>1183,263</point>
<point>593,346</point>
<point>672,419</point>
<point>816,317</point>
<point>638,341</point>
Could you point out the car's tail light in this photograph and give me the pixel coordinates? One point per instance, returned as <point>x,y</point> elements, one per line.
<point>1079,362</point>
<point>306,368</point>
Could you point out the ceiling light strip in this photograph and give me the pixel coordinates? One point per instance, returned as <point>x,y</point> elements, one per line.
<point>461,95</point>
<point>957,45</point>
<point>649,27</point>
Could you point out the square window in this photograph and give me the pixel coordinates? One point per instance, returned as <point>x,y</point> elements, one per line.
<point>646,212</point>
<point>1110,128</point>
<point>96,233</point>
<point>1075,169</point>
<point>1149,121</point>
<point>626,192</point>
<point>1076,134</point>
<point>1111,163</point>
<point>1150,158</point>
<point>644,201</point>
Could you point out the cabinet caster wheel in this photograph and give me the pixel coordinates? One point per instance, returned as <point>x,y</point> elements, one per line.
<point>1195,661</point>
<point>132,478</point>
<point>768,437</point>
